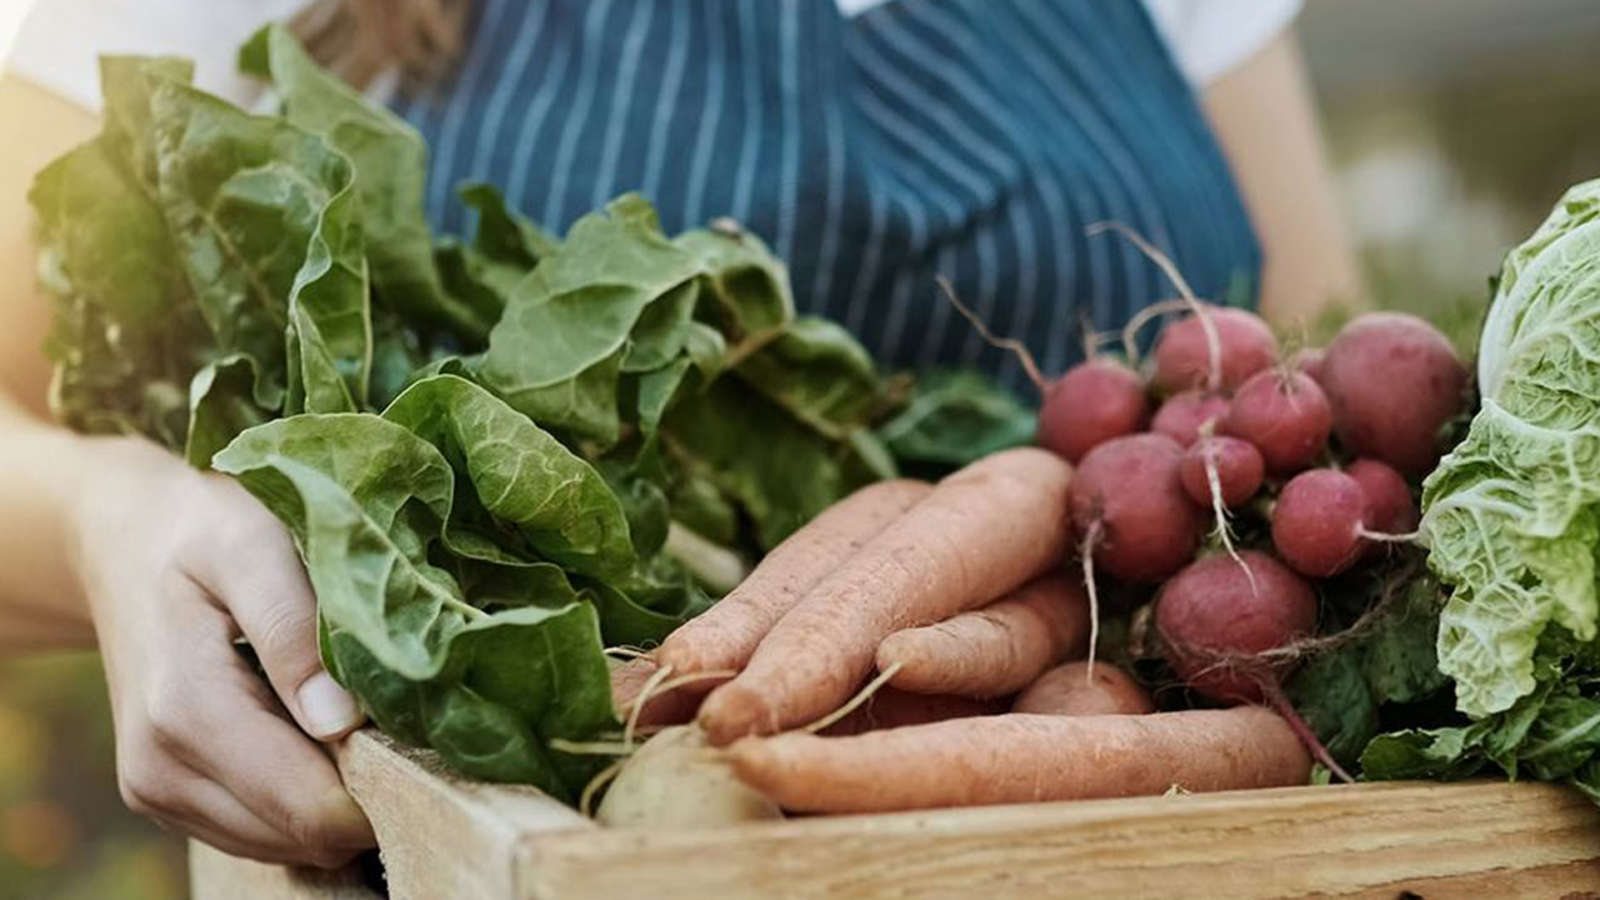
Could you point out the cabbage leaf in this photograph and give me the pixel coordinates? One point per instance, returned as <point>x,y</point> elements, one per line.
<point>1512,514</point>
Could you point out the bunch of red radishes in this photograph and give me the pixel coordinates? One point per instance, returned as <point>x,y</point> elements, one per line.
<point>1325,445</point>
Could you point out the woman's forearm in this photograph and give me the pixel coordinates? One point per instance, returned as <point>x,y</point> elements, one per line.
<point>1266,121</point>
<point>42,471</point>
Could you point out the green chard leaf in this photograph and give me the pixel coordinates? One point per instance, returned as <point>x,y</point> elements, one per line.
<point>954,418</point>
<point>366,500</point>
<point>1441,753</point>
<point>243,195</point>
<point>504,236</point>
<point>1333,697</point>
<point>797,473</point>
<point>520,474</point>
<point>747,287</point>
<point>504,249</point>
<point>557,353</point>
<point>391,160</point>
<point>819,373</point>
<point>222,404</point>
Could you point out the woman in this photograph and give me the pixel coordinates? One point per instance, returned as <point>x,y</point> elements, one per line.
<point>874,144</point>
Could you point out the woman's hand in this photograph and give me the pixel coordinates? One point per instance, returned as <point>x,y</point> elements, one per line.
<point>176,566</point>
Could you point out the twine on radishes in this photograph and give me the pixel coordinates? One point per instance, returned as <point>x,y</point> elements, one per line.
<point>1206,667</point>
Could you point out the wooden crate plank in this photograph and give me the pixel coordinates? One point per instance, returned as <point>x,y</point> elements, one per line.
<point>443,837</point>
<point>1471,840</point>
<point>214,875</point>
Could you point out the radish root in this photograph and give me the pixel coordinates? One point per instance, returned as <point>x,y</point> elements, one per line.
<point>601,779</point>
<point>1167,266</point>
<point>853,703</point>
<point>1130,331</point>
<point>1024,356</point>
<point>652,686</point>
<point>1091,537</point>
<point>1222,533</point>
<point>1409,537</point>
<point>1280,704</point>
<point>624,651</point>
<point>591,748</point>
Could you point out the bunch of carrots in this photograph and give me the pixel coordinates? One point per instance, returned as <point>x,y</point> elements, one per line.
<point>959,615</point>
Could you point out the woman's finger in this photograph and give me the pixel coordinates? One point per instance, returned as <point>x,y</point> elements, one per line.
<point>206,810</point>
<point>227,730</point>
<point>255,573</point>
<point>199,707</point>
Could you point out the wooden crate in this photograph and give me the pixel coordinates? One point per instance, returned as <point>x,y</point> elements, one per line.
<point>446,839</point>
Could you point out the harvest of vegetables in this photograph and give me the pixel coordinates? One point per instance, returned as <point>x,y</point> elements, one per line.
<point>528,474</point>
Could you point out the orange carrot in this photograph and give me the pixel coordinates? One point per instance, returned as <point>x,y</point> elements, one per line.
<point>890,708</point>
<point>724,636</point>
<point>980,533</point>
<point>1022,758</point>
<point>996,650</point>
<point>1066,690</point>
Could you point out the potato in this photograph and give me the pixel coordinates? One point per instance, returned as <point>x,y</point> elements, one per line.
<point>676,779</point>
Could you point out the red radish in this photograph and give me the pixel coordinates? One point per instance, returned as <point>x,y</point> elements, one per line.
<point>1085,689</point>
<point>1096,400</point>
<point>1186,412</point>
<point>1215,610</point>
<point>1317,523</point>
<point>1093,402</point>
<point>1183,355</point>
<point>1309,360</point>
<point>1237,463</point>
<point>1392,382</point>
<point>1127,501</point>
<point>1390,507</point>
<point>1285,414</point>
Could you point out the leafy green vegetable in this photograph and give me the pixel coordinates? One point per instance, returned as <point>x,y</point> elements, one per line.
<point>794,475</point>
<point>1343,693</point>
<point>221,398</point>
<point>578,308</point>
<point>956,417</point>
<point>819,373</point>
<point>520,474</point>
<point>1333,697</point>
<point>1512,515</point>
<point>391,161</point>
<point>191,237</point>
<point>480,447</point>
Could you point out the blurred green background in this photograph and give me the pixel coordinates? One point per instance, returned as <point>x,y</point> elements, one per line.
<point>1453,125</point>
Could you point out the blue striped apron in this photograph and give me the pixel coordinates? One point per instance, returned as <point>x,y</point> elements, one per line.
<point>970,138</point>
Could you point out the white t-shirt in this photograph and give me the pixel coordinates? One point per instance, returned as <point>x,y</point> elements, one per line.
<point>58,40</point>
